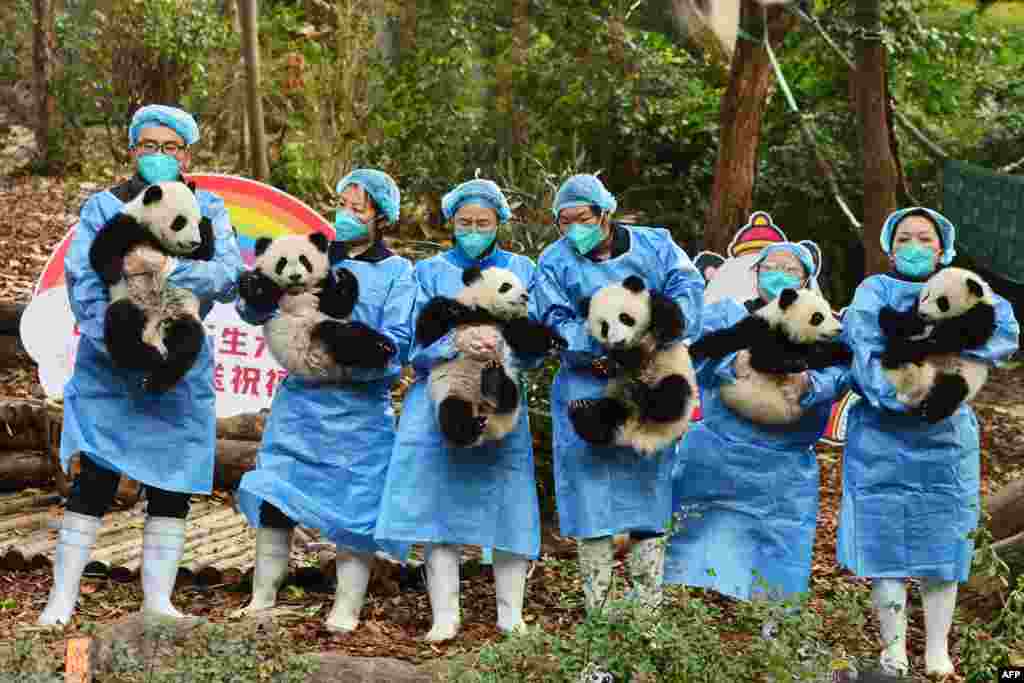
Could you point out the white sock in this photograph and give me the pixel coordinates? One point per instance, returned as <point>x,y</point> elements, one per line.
<point>889,597</point>
<point>939,600</point>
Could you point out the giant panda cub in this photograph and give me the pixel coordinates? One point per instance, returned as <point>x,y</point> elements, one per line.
<point>151,326</point>
<point>649,400</point>
<point>478,399</point>
<point>311,335</point>
<point>955,312</point>
<point>792,333</point>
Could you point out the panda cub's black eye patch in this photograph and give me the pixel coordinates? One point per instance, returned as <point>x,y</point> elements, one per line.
<point>604,328</point>
<point>817,319</point>
<point>179,223</point>
<point>280,265</point>
<point>504,288</point>
<point>305,262</point>
<point>627,320</point>
<point>943,303</point>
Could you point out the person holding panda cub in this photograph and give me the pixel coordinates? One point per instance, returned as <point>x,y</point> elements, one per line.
<point>162,439</point>
<point>450,482</point>
<point>604,489</point>
<point>911,485</point>
<point>327,443</point>
<point>747,485</point>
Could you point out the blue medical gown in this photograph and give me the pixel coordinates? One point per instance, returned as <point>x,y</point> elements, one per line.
<point>435,493</point>
<point>747,493</point>
<point>608,490</point>
<point>911,490</point>
<point>166,440</point>
<point>326,447</point>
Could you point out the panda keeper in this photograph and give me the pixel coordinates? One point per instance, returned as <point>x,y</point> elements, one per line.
<point>446,496</point>
<point>603,491</point>
<point>753,487</point>
<point>166,441</point>
<point>911,489</point>
<point>326,446</point>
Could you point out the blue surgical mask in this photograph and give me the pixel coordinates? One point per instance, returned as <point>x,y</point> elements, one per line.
<point>348,228</point>
<point>772,282</point>
<point>158,168</point>
<point>473,243</point>
<point>585,236</point>
<point>914,260</point>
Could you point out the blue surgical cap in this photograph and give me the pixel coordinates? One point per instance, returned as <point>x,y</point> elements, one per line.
<point>483,192</point>
<point>380,186</point>
<point>583,190</point>
<point>947,233</point>
<point>798,250</point>
<point>180,121</point>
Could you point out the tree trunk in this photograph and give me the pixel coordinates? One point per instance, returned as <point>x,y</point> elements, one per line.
<point>880,176</point>
<point>249,11</point>
<point>22,470</point>
<point>1006,508</point>
<point>407,30</point>
<point>43,62</point>
<point>520,43</point>
<point>743,105</point>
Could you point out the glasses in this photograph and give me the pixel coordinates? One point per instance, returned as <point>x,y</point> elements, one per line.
<point>788,270</point>
<point>152,147</point>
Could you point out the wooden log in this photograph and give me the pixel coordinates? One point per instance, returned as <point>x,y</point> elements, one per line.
<point>245,427</point>
<point>10,318</point>
<point>22,470</point>
<point>1006,507</point>
<point>234,458</point>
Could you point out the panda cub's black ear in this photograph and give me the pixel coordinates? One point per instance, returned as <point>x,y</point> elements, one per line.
<point>152,195</point>
<point>262,244</point>
<point>319,241</point>
<point>975,288</point>
<point>471,275</point>
<point>634,284</point>
<point>787,298</point>
<point>585,307</point>
<point>191,186</point>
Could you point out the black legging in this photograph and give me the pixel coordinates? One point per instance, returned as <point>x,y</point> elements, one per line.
<point>95,488</point>
<point>273,518</point>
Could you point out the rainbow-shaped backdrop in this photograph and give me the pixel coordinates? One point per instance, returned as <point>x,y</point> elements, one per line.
<point>256,210</point>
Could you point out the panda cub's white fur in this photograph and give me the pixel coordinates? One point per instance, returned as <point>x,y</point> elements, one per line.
<point>770,398</point>
<point>961,298</point>
<point>648,402</point>
<point>499,292</point>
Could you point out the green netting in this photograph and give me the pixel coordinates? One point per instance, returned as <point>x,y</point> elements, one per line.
<point>987,209</point>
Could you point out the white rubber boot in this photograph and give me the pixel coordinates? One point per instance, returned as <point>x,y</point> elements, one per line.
<point>443,588</point>
<point>273,550</point>
<point>510,588</point>
<point>74,546</point>
<point>596,558</point>
<point>163,539</point>
<point>939,601</point>
<point>353,577</point>
<point>889,597</point>
<point>647,569</point>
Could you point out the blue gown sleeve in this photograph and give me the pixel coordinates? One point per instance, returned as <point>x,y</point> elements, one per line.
<point>864,337</point>
<point>718,316</point>
<point>87,293</point>
<point>1006,339</point>
<point>826,385</point>
<point>216,279</point>
<point>423,359</point>
<point>683,284</point>
<point>553,308</point>
<point>394,324</point>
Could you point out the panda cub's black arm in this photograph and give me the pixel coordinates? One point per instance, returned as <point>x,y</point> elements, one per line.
<point>339,294</point>
<point>207,240</point>
<point>828,354</point>
<point>441,315</point>
<point>529,337</point>
<point>667,319</point>
<point>114,240</point>
<point>746,333</point>
<point>968,331</point>
<point>900,324</point>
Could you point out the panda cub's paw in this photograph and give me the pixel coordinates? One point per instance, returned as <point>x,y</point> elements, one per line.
<point>495,384</point>
<point>527,336</point>
<point>123,326</point>
<point>458,424</point>
<point>900,324</point>
<point>946,395</point>
<point>354,344</point>
<point>596,421</point>
<point>258,290</point>
<point>339,296</point>
<point>438,318</point>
